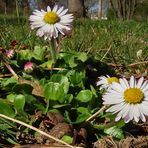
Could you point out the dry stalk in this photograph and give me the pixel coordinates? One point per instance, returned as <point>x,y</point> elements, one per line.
<point>106,53</point>
<point>35,129</point>
<point>138,63</point>
<point>97,113</point>
<point>10,69</point>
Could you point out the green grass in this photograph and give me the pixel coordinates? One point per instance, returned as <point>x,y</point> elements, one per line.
<point>113,41</point>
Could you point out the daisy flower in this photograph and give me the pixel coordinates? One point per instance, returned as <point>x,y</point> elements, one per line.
<point>105,81</point>
<point>129,99</point>
<point>51,22</point>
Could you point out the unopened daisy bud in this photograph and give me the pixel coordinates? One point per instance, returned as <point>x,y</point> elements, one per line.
<point>105,81</point>
<point>28,67</point>
<point>10,53</point>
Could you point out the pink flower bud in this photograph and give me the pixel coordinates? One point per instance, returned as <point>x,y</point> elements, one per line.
<point>28,67</point>
<point>10,53</point>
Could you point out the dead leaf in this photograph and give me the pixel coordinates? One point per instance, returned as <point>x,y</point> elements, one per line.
<point>37,88</point>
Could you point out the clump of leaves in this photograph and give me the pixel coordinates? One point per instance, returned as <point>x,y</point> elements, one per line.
<point>67,87</point>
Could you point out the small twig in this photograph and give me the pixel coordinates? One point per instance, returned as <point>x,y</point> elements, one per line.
<point>138,63</point>
<point>115,65</point>
<point>5,75</point>
<point>35,129</point>
<point>10,69</point>
<point>42,146</point>
<point>106,52</point>
<point>55,68</point>
<point>97,113</point>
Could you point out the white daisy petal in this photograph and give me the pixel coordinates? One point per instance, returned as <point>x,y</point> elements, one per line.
<point>123,84</point>
<point>136,113</point>
<point>63,12</point>
<point>115,108</point>
<point>132,81</point>
<point>140,81</point>
<point>55,8</point>
<point>114,92</point>
<point>144,85</point>
<point>111,100</point>
<point>142,117</point>
<point>117,87</point>
<point>124,111</point>
<point>145,88</point>
<point>126,82</point>
<point>117,118</point>
<point>43,12</point>
<point>60,10</point>
<point>141,110</point>
<point>127,119</point>
<point>48,9</point>
<point>131,114</point>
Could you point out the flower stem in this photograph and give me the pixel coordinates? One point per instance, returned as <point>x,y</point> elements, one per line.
<point>47,106</point>
<point>53,50</point>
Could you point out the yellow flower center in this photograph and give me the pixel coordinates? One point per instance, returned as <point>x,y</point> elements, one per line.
<point>112,79</point>
<point>51,18</point>
<point>133,95</point>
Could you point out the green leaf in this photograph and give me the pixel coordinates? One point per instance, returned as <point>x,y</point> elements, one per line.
<point>67,139</point>
<point>6,109</point>
<point>115,132</point>
<point>22,88</point>
<point>38,52</point>
<point>84,96</point>
<point>83,114</point>
<point>81,118</point>
<point>4,126</point>
<point>54,91</point>
<point>68,98</point>
<point>82,56</point>
<point>47,64</point>
<point>70,60</point>
<point>10,81</point>
<point>11,97</point>
<point>76,77</point>
<point>26,54</point>
<point>62,80</point>
<point>19,103</point>
<point>30,99</point>
<point>93,91</point>
<point>10,140</point>
<point>120,123</point>
<point>83,110</point>
<point>14,62</point>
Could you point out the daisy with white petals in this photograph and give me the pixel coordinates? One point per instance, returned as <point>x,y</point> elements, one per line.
<point>51,22</point>
<point>128,99</point>
<point>105,81</point>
